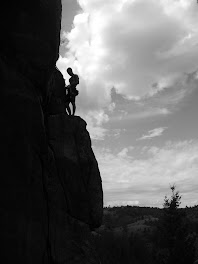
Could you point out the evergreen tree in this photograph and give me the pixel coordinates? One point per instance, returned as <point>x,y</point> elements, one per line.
<point>175,242</point>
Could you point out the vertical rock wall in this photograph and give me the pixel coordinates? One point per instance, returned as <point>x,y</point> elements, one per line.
<point>80,180</point>
<point>78,167</point>
<point>29,46</point>
<point>48,172</point>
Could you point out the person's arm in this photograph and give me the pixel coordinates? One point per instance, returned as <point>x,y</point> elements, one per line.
<point>76,79</point>
<point>67,89</point>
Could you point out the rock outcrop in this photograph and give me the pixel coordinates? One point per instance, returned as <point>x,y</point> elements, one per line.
<point>24,217</point>
<point>80,180</point>
<point>31,37</point>
<point>28,53</point>
<point>44,217</point>
<point>78,168</point>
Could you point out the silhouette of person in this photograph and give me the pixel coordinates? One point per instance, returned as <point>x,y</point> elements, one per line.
<point>73,92</point>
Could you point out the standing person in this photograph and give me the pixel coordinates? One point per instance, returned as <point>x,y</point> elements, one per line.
<point>73,92</point>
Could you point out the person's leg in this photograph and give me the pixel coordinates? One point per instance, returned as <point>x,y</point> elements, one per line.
<point>73,107</point>
<point>68,110</point>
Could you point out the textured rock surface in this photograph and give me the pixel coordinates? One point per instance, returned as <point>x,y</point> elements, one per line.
<point>31,38</point>
<point>28,53</point>
<point>23,220</point>
<point>80,179</point>
<point>40,217</point>
<point>77,167</point>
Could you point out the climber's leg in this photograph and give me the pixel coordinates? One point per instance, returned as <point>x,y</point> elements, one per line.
<point>68,110</point>
<point>73,107</point>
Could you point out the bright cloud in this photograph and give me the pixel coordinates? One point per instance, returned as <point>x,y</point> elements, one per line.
<point>131,45</point>
<point>95,120</point>
<point>145,113</point>
<point>146,50</point>
<point>147,180</point>
<point>156,132</point>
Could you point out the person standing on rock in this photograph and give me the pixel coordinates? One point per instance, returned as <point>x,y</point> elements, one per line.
<point>72,91</point>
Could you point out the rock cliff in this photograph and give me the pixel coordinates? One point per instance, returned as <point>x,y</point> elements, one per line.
<point>78,176</point>
<point>50,191</point>
<point>28,55</point>
<point>77,167</point>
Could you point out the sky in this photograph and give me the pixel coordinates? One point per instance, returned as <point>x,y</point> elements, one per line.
<point>137,62</point>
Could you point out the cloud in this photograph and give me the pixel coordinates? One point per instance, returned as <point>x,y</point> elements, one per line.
<point>123,153</point>
<point>96,132</point>
<point>147,179</point>
<point>95,120</point>
<point>156,132</point>
<point>134,113</point>
<point>149,112</point>
<point>130,45</point>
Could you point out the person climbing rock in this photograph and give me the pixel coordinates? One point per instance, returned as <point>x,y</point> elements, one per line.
<point>73,92</point>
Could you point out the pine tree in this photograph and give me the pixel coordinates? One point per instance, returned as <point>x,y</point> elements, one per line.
<point>176,243</point>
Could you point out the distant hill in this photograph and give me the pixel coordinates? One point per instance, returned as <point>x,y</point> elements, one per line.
<point>139,218</point>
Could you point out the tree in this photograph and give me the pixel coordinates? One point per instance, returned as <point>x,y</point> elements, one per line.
<point>175,242</point>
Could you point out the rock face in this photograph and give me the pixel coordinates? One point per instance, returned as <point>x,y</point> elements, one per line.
<point>44,217</point>
<point>24,217</point>
<point>31,37</point>
<point>81,182</point>
<point>28,54</point>
<point>77,167</point>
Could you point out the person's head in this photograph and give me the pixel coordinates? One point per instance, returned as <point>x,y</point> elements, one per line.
<point>69,71</point>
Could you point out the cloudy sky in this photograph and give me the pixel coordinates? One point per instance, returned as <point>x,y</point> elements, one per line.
<point>137,61</point>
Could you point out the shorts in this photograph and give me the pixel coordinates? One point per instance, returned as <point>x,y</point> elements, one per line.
<point>67,98</point>
<point>72,98</point>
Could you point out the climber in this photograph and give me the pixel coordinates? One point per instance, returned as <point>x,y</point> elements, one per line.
<point>72,91</point>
